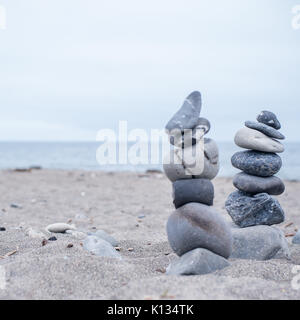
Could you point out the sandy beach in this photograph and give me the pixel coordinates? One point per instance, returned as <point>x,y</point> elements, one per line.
<point>133,208</point>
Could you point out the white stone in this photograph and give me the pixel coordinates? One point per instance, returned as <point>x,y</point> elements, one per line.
<point>59,227</point>
<point>255,140</point>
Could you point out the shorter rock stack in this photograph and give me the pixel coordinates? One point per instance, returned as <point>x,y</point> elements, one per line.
<point>196,232</point>
<point>253,205</point>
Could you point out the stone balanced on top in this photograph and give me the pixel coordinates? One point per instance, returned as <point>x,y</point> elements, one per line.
<point>252,207</point>
<point>196,232</point>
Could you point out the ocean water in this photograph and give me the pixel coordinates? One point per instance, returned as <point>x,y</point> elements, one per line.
<point>82,155</point>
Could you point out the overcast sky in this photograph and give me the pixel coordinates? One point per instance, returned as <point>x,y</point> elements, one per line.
<point>71,67</point>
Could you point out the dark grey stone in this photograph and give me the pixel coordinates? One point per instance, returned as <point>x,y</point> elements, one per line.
<point>188,115</point>
<point>257,163</point>
<point>189,137</point>
<point>260,209</point>
<point>253,184</point>
<point>196,225</point>
<point>197,262</point>
<point>193,190</point>
<point>267,130</point>
<point>15,206</point>
<point>269,118</point>
<point>296,239</point>
<point>259,243</point>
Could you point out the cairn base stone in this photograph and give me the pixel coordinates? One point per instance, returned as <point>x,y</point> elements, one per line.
<point>197,262</point>
<point>195,225</point>
<point>259,243</point>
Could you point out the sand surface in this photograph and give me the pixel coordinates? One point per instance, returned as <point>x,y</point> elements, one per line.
<point>113,202</point>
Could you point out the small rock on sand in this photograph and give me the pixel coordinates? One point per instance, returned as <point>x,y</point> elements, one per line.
<point>296,239</point>
<point>100,247</point>
<point>101,234</point>
<point>59,227</point>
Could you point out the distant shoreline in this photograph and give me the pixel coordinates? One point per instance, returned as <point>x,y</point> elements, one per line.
<point>148,172</point>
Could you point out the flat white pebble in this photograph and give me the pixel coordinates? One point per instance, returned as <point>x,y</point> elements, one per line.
<point>59,227</point>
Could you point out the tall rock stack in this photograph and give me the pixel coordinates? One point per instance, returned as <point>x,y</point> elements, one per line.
<point>253,205</point>
<point>196,232</point>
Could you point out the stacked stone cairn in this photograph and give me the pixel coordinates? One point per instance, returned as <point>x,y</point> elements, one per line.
<point>252,206</point>
<point>197,233</point>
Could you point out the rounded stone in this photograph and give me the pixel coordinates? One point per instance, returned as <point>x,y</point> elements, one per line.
<point>177,170</point>
<point>196,225</point>
<point>267,130</point>
<point>257,163</point>
<point>258,243</point>
<point>189,137</point>
<point>260,209</point>
<point>188,115</point>
<point>255,140</point>
<point>270,119</point>
<point>253,184</point>
<point>193,190</point>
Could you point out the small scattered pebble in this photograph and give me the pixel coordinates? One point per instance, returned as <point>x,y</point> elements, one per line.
<point>44,242</point>
<point>15,206</point>
<point>101,234</point>
<point>162,270</point>
<point>34,234</point>
<point>100,247</point>
<point>130,249</point>
<point>52,239</point>
<point>70,245</point>
<point>59,227</point>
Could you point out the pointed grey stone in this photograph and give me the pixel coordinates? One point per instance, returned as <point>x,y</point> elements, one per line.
<point>188,115</point>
